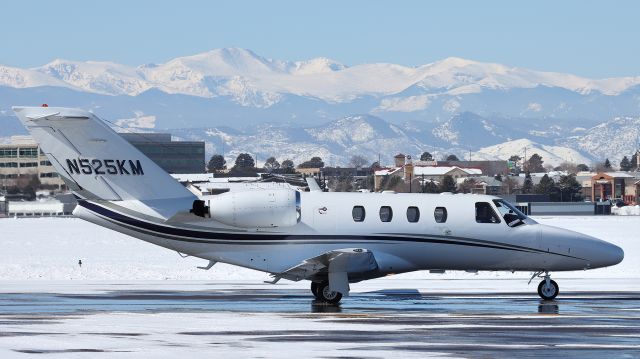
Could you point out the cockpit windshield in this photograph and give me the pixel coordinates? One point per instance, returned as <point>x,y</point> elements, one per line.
<point>512,216</point>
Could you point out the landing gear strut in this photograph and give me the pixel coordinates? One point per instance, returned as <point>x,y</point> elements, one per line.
<point>322,292</point>
<point>548,289</point>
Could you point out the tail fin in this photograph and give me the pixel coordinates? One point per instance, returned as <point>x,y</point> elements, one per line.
<point>98,164</point>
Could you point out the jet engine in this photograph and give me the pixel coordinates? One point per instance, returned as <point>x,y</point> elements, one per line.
<point>255,209</point>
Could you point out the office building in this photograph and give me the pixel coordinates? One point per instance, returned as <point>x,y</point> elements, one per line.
<point>172,156</point>
<point>21,160</point>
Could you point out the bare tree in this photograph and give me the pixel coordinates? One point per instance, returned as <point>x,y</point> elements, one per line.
<point>602,167</point>
<point>509,185</point>
<point>467,185</point>
<point>271,164</point>
<point>570,167</point>
<point>358,161</point>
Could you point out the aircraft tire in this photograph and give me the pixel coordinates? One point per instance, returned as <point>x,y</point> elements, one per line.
<point>327,295</point>
<point>314,290</point>
<point>548,292</point>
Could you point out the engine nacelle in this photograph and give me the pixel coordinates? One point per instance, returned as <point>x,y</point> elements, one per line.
<point>254,209</point>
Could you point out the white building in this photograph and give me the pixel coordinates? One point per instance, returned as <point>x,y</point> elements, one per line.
<point>43,208</point>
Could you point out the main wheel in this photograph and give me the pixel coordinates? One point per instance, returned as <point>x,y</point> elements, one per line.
<point>325,294</point>
<point>548,291</point>
<point>314,290</point>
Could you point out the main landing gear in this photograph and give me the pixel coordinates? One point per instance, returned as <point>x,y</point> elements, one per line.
<point>548,289</point>
<point>322,293</point>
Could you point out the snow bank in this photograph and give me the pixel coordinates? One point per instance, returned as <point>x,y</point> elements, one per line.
<point>626,210</point>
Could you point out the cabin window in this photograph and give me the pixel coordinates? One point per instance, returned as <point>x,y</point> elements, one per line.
<point>413,214</point>
<point>386,213</point>
<point>358,213</point>
<point>440,214</point>
<point>485,213</point>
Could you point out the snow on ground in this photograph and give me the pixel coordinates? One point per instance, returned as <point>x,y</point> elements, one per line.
<point>626,210</point>
<point>49,249</point>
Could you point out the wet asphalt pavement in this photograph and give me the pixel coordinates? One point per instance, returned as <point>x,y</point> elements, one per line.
<point>374,324</point>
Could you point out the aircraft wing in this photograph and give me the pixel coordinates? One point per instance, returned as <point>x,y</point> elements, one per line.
<point>337,264</point>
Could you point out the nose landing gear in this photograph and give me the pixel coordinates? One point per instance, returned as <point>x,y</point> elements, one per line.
<point>548,289</point>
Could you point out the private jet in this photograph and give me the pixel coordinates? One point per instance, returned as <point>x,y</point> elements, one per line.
<point>329,239</point>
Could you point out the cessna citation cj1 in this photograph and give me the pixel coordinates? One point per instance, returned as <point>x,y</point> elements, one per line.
<point>330,239</point>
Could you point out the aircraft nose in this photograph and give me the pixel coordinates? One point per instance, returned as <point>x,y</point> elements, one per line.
<point>606,254</point>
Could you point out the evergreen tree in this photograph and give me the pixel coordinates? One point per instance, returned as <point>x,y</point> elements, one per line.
<point>244,160</point>
<point>570,189</point>
<point>245,166</point>
<point>607,164</point>
<point>634,161</point>
<point>216,163</point>
<point>448,184</point>
<point>625,164</point>
<point>426,156</point>
<point>535,163</point>
<point>527,186</point>
<point>546,186</point>
<point>452,158</point>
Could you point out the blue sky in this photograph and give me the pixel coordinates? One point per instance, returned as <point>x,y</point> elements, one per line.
<point>588,38</point>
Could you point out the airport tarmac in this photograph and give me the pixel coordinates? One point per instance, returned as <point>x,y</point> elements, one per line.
<point>238,320</point>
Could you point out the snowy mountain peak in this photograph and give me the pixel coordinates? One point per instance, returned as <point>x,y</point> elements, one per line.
<point>551,155</point>
<point>316,66</point>
<point>225,62</point>
<point>454,62</point>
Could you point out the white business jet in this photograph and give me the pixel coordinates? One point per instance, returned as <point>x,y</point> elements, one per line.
<point>330,239</point>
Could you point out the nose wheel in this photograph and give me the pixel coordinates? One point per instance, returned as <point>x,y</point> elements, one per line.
<point>548,289</point>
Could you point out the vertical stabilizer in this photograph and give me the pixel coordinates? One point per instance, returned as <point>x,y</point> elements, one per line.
<point>98,164</point>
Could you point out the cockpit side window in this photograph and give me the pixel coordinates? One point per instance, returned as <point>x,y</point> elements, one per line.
<point>485,213</point>
<point>512,216</point>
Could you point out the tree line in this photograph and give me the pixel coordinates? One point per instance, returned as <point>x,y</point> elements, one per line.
<point>246,165</point>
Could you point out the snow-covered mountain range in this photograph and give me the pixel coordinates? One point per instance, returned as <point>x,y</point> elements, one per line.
<point>301,108</point>
<point>242,73</point>
<point>365,135</point>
